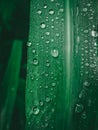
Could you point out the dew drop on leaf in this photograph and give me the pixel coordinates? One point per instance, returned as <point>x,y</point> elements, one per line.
<point>41,103</point>
<point>51,11</point>
<point>48,99</point>
<point>54,53</point>
<point>86,83</point>
<point>35,110</point>
<point>85,9</point>
<point>43,25</point>
<point>29,43</point>
<point>47,33</point>
<point>53,84</point>
<point>45,6</point>
<point>94,33</point>
<point>79,108</point>
<point>35,61</point>
<point>39,11</point>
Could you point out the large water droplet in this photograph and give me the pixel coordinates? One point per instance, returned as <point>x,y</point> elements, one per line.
<point>35,61</point>
<point>39,11</point>
<point>54,53</point>
<point>51,11</point>
<point>94,33</point>
<point>35,110</point>
<point>43,25</point>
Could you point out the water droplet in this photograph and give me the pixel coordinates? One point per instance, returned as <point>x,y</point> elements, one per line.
<point>86,41</point>
<point>94,33</point>
<point>48,99</point>
<point>29,43</point>
<point>33,51</point>
<point>86,83</point>
<point>35,62</point>
<point>47,41</point>
<point>45,6</point>
<point>52,109</point>
<point>92,65</point>
<point>35,110</point>
<point>82,94</point>
<point>29,123</point>
<point>53,84</point>
<point>84,116</point>
<point>52,20</point>
<point>95,44</point>
<point>85,9</point>
<point>57,34</point>
<point>52,127</point>
<point>52,40</point>
<point>90,18</point>
<point>61,10</point>
<point>51,11</point>
<point>46,74</point>
<point>47,33</point>
<point>46,86</point>
<point>47,64</point>
<point>41,103</point>
<point>86,64</point>
<point>43,25</point>
<point>56,18</point>
<point>52,26</point>
<point>85,31</point>
<point>54,53</point>
<point>79,108</point>
<point>39,11</point>
<point>46,124</point>
<point>52,0</point>
<point>88,4</point>
<point>62,19</point>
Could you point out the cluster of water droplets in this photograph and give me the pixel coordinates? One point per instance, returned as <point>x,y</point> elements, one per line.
<point>86,49</point>
<point>44,52</point>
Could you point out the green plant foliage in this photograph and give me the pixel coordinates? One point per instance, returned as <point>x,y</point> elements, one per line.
<point>11,82</point>
<point>13,56</point>
<point>62,72</point>
<point>60,89</point>
<point>49,75</point>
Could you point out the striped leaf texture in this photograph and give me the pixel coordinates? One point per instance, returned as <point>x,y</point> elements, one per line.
<point>62,65</point>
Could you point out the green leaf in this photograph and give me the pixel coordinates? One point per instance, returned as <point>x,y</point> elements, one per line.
<point>49,75</point>
<point>11,82</point>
